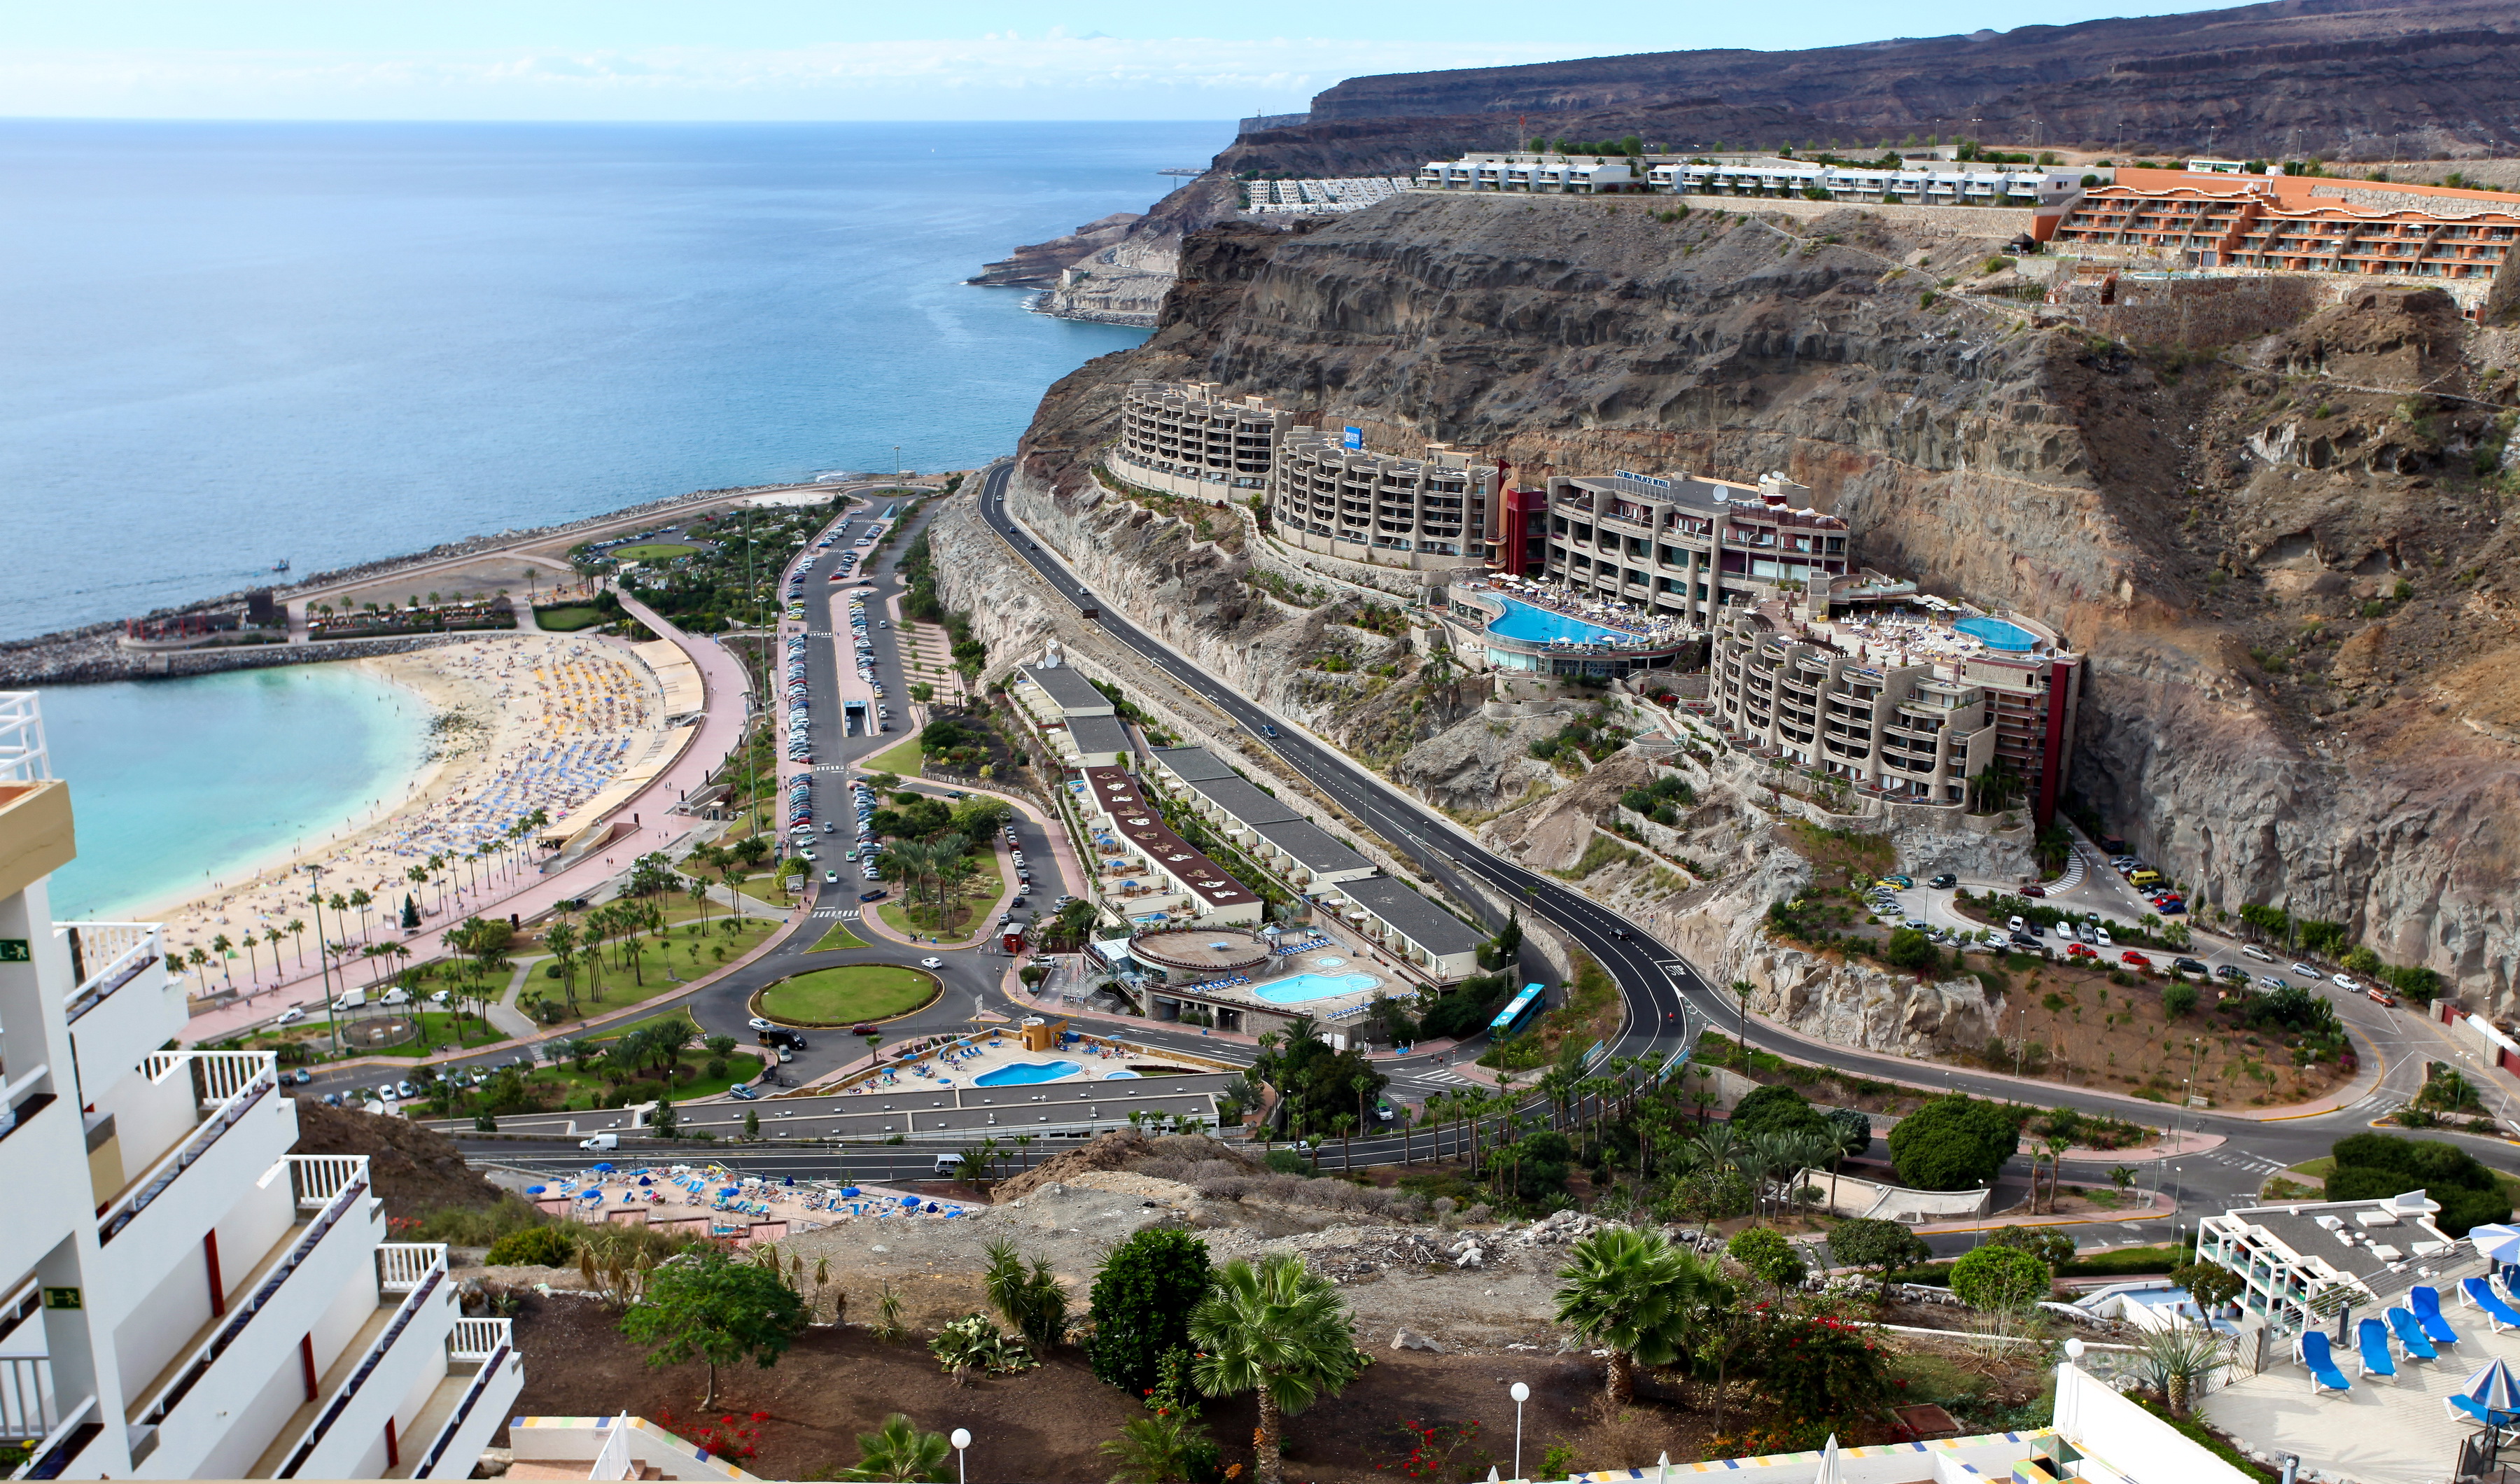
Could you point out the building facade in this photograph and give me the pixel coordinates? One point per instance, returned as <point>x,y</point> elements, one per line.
<point>1935,184</point>
<point>2293,224</point>
<point>1185,439</point>
<point>1893,724</point>
<point>1690,544</point>
<point>2297,1262</point>
<point>187,1298</point>
<point>1540,174</point>
<point>1429,512</point>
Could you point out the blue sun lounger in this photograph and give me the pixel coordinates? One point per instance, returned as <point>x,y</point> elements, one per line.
<point>2480,1295</point>
<point>2411,1336</point>
<point>2310,1347</point>
<point>2371,1338</point>
<point>2425,1299</point>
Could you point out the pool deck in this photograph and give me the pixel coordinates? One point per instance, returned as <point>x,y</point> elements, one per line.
<point>962,1063</point>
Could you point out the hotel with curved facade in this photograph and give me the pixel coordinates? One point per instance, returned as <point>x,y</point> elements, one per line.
<point>1187,439</point>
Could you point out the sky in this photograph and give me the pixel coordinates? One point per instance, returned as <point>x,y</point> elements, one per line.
<point>798,60</point>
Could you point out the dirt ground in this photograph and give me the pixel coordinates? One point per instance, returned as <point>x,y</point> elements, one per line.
<point>1041,1425</point>
<point>415,1169</point>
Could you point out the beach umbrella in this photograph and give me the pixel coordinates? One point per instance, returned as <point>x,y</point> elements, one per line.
<point>2492,1387</point>
<point>604,1169</point>
<point>536,1190</point>
<point>2496,1241</point>
<point>1830,1471</point>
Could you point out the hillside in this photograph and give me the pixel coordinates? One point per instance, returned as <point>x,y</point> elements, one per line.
<point>2286,565</point>
<point>2363,79</point>
<point>415,1169</point>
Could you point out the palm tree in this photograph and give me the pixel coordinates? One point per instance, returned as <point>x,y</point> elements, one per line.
<point>899,1453</point>
<point>220,944</point>
<point>196,958</point>
<point>362,901</point>
<point>561,938</point>
<point>297,928</point>
<point>1633,1293</point>
<point>1279,1330</point>
<point>1154,1449</point>
<point>418,875</point>
<point>1344,1125</point>
<point>271,935</point>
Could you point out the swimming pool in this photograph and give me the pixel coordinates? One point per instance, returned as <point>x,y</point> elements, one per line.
<point>1304,987</point>
<point>1330,963</point>
<point>1995,634</point>
<point>1535,625</point>
<point>1028,1072</point>
<point>1119,1075</point>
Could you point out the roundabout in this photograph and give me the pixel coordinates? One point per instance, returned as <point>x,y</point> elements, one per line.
<point>377,1034</point>
<point>851,994</point>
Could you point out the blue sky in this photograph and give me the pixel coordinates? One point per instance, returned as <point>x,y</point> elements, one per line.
<point>791,60</point>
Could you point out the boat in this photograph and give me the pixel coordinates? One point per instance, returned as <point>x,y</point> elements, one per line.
<point>281,565</point>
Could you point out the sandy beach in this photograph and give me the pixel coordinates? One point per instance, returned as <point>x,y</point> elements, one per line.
<point>520,722</point>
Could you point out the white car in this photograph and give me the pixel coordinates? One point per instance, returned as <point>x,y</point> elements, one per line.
<point>2252,949</point>
<point>932,963</point>
<point>757,1023</point>
<point>2344,982</point>
<point>2308,970</point>
<point>289,1017</point>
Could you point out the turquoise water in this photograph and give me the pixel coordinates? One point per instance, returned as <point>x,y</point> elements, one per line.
<point>176,784</point>
<point>1023,1072</point>
<point>1303,987</point>
<point>1535,625</point>
<point>1119,1076</point>
<point>1995,634</point>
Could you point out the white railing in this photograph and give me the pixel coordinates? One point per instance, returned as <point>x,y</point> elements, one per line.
<point>403,1266</point>
<point>316,1178</point>
<point>61,1445</point>
<point>108,956</point>
<point>243,1078</point>
<point>23,759</point>
<point>26,1398</point>
<point>477,1340</point>
<point>15,1093</point>
<point>500,1359</point>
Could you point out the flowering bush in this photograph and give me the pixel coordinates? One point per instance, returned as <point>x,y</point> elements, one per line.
<point>1433,1450</point>
<point>1821,1367</point>
<point>731,1437</point>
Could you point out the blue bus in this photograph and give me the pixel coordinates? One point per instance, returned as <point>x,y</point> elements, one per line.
<point>1517,1011</point>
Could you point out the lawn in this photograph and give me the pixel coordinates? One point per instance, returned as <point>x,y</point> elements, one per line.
<point>652,551</point>
<point>955,918</point>
<point>905,760</point>
<point>695,950</point>
<point>437,1032</point>
<point>848,994</point>
<point>837,938</point>
<point>568,617</point>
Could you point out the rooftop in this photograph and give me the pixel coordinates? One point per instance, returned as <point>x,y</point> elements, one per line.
<point>1413,917</point>
<point>1070,690</point>
<point>1244,801</point>
<point>1098,734</point>
<point>1312,847</point>
<point>1137,822</point>
<point>1193,762</point>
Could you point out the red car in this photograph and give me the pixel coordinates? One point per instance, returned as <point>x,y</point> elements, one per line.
<point>2034,891</point>
<point>2134,959</point>
<point>2077,951</point>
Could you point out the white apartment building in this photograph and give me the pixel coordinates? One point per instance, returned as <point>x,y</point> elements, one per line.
<point>1424,513</point>
<point>2296,1261</point>
<point>185,1297</point>
<point>1540,174</point>
<point>1183,439</point>
<point>1936,184</point>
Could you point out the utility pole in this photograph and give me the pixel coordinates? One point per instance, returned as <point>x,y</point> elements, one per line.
<point>322,962</point>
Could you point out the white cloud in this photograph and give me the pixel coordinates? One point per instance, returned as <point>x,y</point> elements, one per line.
<point>1000,75</point>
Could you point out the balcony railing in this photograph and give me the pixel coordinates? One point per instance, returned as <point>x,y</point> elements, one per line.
<point>105,957</point>
<point>368,1364</point>
<point>19,1101</point>
<point>229,1084</point>
<point>26,1398</point>
<point>345,1199</point>
<point>500,1358</point>
<point>403,1266</point>
<point>63,1445</point>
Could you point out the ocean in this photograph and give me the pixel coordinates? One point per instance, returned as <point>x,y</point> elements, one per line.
<point>229,345</point>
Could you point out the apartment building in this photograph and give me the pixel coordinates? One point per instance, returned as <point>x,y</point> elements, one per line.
<point>1934,184</point>
<point>2294,224</point>
<point>2296,1261</point>
<point>185,1297</point>
<point>1690,544</point>
<point>1186,438</point>
<point>1540,174</point>
<point>1425,512</point>
<point>1904,714</point>
<point>1199,886</point>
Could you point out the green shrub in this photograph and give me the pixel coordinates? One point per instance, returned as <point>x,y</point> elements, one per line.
<point>1778,1109</point>
<point>1143,1298</point>
<point>2001,1279</point>
<point>1954,1143</point>
<point>2372,1166</point>
<point>551,1247</point>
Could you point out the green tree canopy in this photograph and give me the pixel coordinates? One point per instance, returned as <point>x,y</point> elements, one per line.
<point>2375,1166</point>
<point>1878,1246</point>
<point>1768,1257</point>
<point>1999,1279</point>
<point>1281,1332</point>
<point>1633,1293</point>
<point>1954,1143</point>
<point>1778,1109</point>
<point>2046,1243</point>
<point>1143,1295</point>
<point>704,1306</point>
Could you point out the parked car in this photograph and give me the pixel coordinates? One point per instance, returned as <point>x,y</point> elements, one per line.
<point>2273,981</point>
<point>2034,891</point>
<point>2077,951</point>
<point>2380,996</point>
<point>1945,880</point>
<point>2188,966</point>
<point>757,1023</point>
<point>2308,970</point>
<point>2135,960</point>
<point>2015,925</point>
<point>2253,950</point>
<point>289,1017</point>
<point>872,896</point>
<point>1900,882</point>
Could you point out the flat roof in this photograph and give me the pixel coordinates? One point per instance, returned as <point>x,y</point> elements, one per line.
<point>2296,1225</point>
<point>1312,847</point>
<point>1070,690</point>
<point>1098,734</point>
<point>1192,762</point>
<point>1116,792</point>
<point>1243,800</point>
<point>1413,917</point>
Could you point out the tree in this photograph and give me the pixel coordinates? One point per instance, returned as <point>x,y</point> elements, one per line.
<point>1143,1298</point>
<point>1999,1279</point>
<point>1778,1109</point>
<point>667,1124</point>
<point>1954,1143</point>
<point>2373,1165</point>
<point>1912,950</point>
<point>2046,1243</point>
<point>1879,1247</point>
<point>704,1306</point>
<point>1630,1291</point>
<point>1279,1330</point>
<point>1031,1300</point>
<point>898,1453</point>
<point>2178,999</point>
<point>1162,1448</point>
<point>1768,1257</point>
<point>2210,1285</point>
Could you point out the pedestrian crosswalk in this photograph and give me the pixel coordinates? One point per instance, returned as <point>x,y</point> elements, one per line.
<point>2073,876</point>
<point>2256,1163</point>
<point>844,913</point>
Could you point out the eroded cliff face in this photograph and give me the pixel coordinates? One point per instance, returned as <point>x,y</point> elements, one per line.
<point>2183,518</point>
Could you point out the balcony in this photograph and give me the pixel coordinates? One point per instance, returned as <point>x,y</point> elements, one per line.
<point>232,1128</point>
<point>343,1429</point>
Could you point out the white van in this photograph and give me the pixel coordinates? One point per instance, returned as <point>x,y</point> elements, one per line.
<point>601,1142</point>
<point>394,996</point>
<point>949,1164</point>
<point>352,999</point>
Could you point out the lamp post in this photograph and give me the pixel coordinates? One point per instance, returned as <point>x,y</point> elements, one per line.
<point>1521,1394</point>
<point>961,1440</point>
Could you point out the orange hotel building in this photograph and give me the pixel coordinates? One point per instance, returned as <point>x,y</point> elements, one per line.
<point>2287,224</point>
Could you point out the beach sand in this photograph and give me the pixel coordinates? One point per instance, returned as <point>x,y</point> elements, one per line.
<point>519,722</point>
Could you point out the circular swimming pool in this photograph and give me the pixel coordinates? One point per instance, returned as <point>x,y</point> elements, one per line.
<point>1023,1072</point>
<point>1331,962</point>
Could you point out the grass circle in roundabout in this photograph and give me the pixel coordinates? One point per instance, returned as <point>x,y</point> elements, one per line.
<point>847,995</point>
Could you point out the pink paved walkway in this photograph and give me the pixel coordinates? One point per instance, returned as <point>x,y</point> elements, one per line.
<point>526,893</point>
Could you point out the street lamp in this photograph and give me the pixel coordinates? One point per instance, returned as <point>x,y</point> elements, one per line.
<point>961,1440</point>
<point>1521,1394</point>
